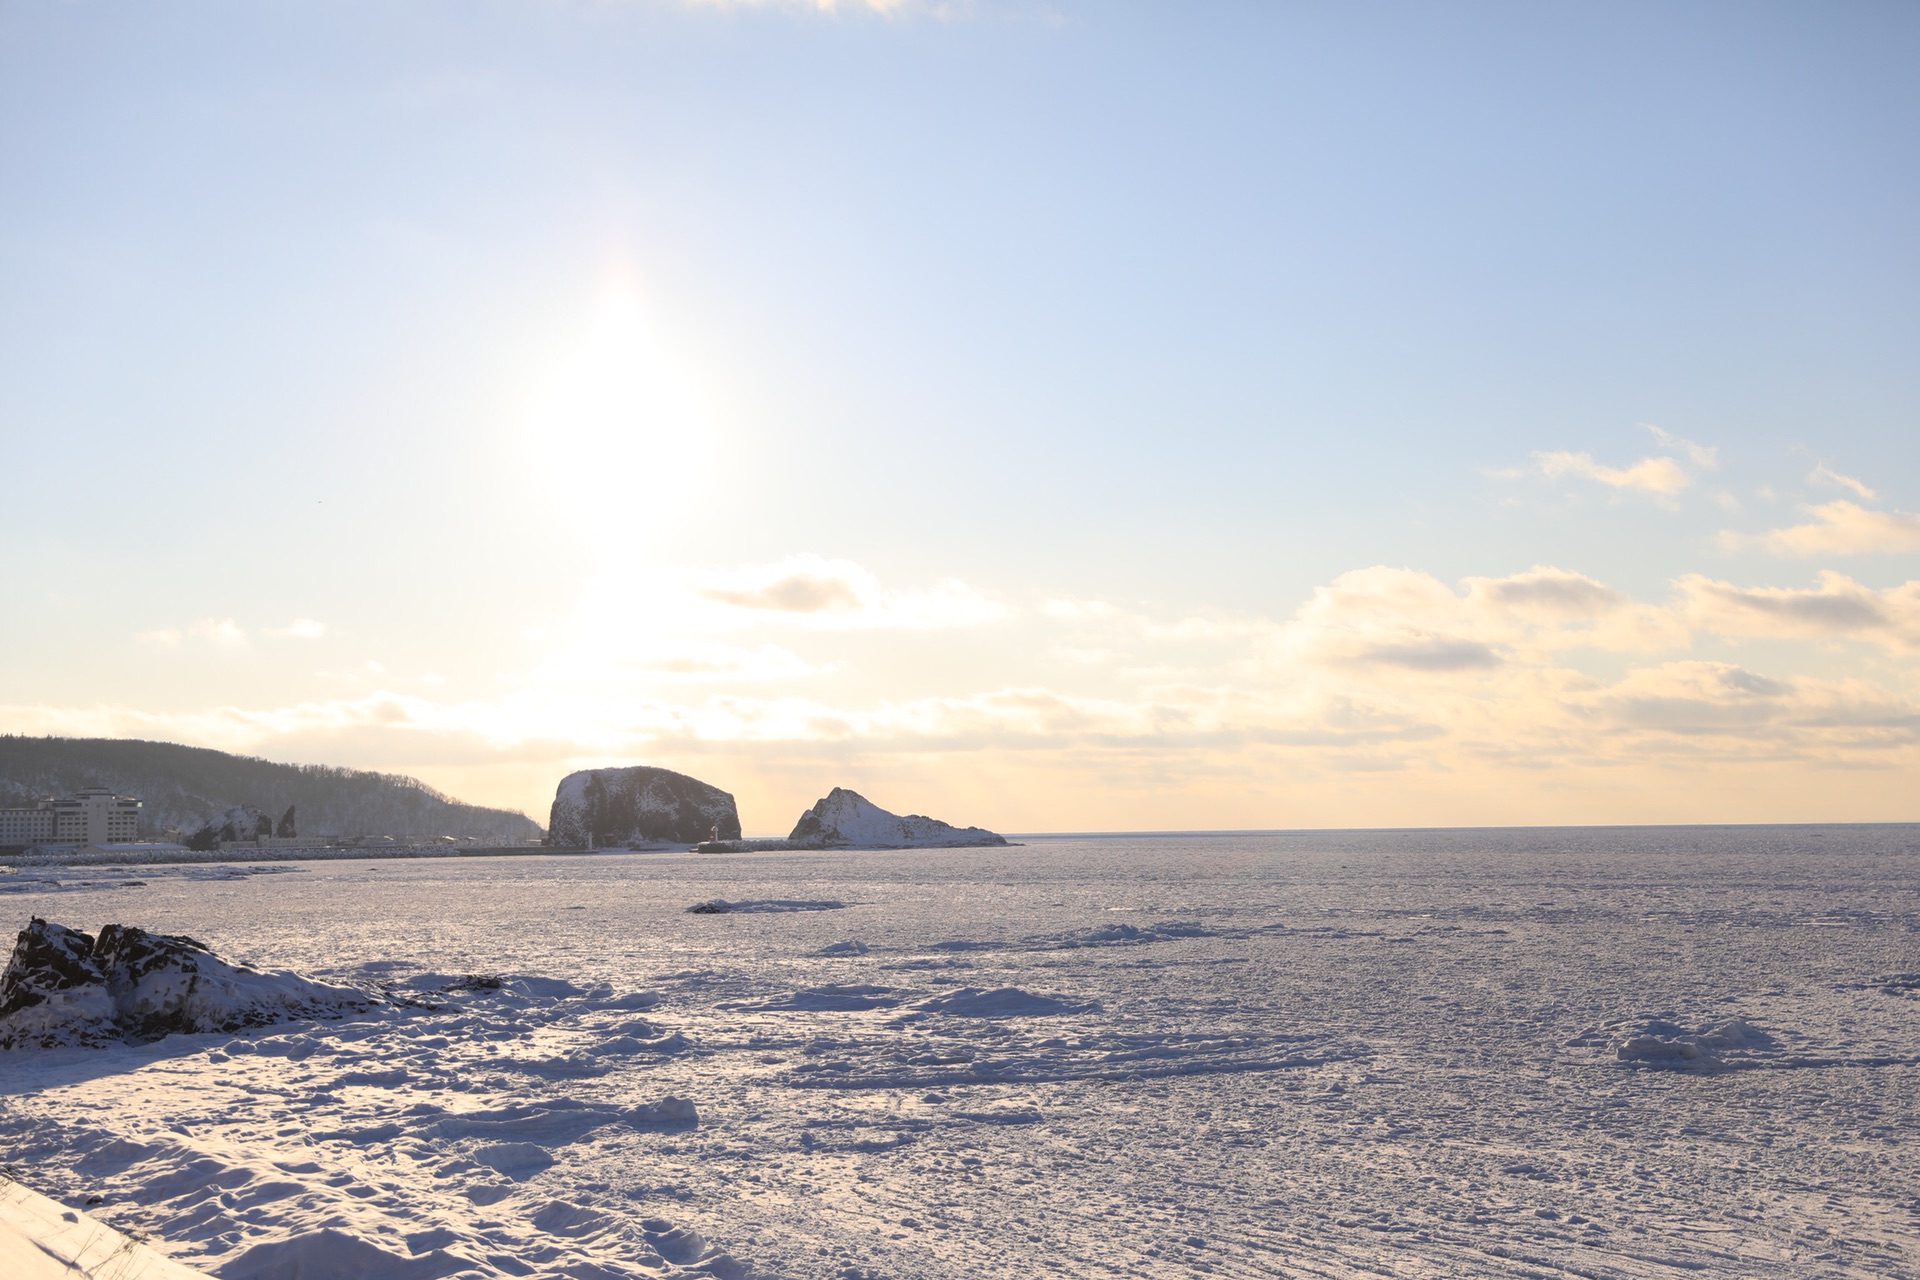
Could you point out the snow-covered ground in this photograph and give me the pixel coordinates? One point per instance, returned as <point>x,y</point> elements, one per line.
<point>1597,1053</point>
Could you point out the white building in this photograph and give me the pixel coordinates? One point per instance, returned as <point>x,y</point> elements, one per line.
<point>21,827</point>
<point>94,815</point>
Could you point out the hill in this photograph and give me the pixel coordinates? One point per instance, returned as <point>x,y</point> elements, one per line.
<point>182,787</point>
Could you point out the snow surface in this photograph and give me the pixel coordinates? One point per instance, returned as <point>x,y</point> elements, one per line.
<point>1461,1054</point>
<point>41,1239</point>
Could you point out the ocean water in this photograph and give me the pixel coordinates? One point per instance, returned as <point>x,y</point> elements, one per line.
<point>1598,1052</point>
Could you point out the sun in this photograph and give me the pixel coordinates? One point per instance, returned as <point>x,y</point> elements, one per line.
<point>614,430</point>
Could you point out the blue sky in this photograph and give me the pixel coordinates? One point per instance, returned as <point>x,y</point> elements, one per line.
<point>988,406</point>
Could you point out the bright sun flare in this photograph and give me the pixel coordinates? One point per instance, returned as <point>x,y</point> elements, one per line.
<point>614,430</point>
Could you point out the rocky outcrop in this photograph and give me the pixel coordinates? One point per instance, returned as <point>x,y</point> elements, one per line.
<point>599,808</point>
<point>242,822</point>
<point>63,987</point>
<point>848,820</point>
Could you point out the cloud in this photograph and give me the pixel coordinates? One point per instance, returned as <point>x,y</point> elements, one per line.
<point>217,631</point>
<point>1074,609</point>
<point>1661,474</point>
<point>1841,527</point>
<point>1547,590</point>
<point>1694,698</point>
<point>1433,653</point>
<point>298,629</point>
<point>1837,607</point>
<point>1413,621</point>
<point>1825,475</point>
<point>616,664</point>
<point>1702,456</point>
<point>811,591</point>
<point>1487,695</point>
<point>1657,475</point>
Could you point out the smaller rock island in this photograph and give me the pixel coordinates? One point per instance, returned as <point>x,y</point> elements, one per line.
<point>848,820</point>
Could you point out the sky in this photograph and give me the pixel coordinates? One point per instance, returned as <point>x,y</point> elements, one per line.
<point>1047,416</point>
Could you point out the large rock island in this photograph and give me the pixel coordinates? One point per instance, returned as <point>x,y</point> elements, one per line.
<point>848,820</point>
<point>640,804</point>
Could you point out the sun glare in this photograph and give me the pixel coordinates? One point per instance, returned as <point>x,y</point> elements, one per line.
<point>614,430</point>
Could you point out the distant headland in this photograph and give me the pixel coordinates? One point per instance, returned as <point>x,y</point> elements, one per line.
<point>124,800</point>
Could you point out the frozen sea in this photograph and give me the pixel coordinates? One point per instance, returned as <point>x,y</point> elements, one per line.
<point>1589,1052</point>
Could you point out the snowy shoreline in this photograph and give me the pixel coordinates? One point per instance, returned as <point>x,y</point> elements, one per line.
<point>318,853</point>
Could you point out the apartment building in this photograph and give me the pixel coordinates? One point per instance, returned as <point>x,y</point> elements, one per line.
<point>92,815</point>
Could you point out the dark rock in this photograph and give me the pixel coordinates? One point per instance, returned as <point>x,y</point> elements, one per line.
<point>64,987</point>
<point>242,822</point>
<point>609,807</point>
<point>46,958</point>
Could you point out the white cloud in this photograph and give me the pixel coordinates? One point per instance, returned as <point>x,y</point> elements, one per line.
<point>1822,474</point>
<point>1837,607</point>
<point>1411,620</point>
<point>216,631</point>
<point>1702,456</point>
<point>1482,686</point>
<point>1657,475</point>
<point>1694,697</point>
<point>1547,590</point>
<point>1075,609</point>
<point>811,591</point>
<point>298,629</point>
<point>1841,527</point>
<point>1662,474</point>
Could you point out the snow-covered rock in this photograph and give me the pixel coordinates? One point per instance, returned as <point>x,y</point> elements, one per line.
<point>65,987</point>
<point>848,820</point>
<point>1659,1042</point>
<point>602,807</point>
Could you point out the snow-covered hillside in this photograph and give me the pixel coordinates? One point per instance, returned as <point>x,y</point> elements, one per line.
<point>181,788</point>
